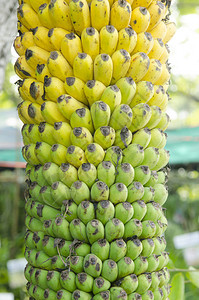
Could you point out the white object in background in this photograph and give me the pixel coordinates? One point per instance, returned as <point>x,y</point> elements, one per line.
<point>191,256</point>
<point>187,240</point>
<point>6,296</point>
<point>16,272</point>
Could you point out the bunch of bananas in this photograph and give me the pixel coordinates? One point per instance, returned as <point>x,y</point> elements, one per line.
<point>93,79</point>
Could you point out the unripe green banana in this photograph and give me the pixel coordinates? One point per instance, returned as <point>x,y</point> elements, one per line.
<point>148,229</point>
<point>109,270</point>
<point>123,137</point>
<point>94,154</point>
<point>101,249</point>
<point>78,230</point>
<point>133,154</point>
<point>68,280</point>
<point>111,96</point>
<point>144,283</point>
<point>132,228</point>
<point>75,156</point>
<point>127,88</point>
<point>84,282</point>
<point>82,118</point>
<point>141,115</point>
<point>58,154</point>
<point>106,172</point>
<point>67,174</point>
<point>114,155</point>
<point>100,284</point>
<point>77,294</point>
<point>53,280</point>
<point>92,265</point>
<point>99,191</point>
<point>61,133</point>
<point>94,230</point>
<point>114,229</point>
<point>69,210</point>
<point>50,172</point>
<point>60,192</point>
<point>117,250</point>
<point>104,136</point>
<point>79,192</point>
<point>100,113</point>
<point>124,211</point>
<point>118,193</point>
<point>81,137</point>
<point>135,191</point>
<point>125,266</point>
<point>129,283</point>
<point>121,116</point>
<point>60,228</point>
<point>105,211</point>
<point>140,209</point>
<point>93,90</point>
<point>87,173</point>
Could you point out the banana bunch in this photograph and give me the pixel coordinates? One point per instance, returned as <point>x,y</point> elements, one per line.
<point>93,81</point>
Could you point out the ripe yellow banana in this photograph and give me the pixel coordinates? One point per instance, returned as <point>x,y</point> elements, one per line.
<point>170,32</point>
<point>93,90</point>
<point>56,36</point>
<point>58,66</point>
<point>120,14</point>
<point>164,122</point>
<point>108,39</point>
<point>121,60</point>
<point>21,28</point>
<point>127,88</point>
<point>159,31</point>
<point>68,105</point>
<point>158,95</point>
<point>90,41</point>
<point>75,88</point>
<point>80,15</point>
<point>140,19</point>
<point>23,88</point>
<point>34,112</point>
<point>154,71</point>
<point>70,47</point>
<point>157,50</point>
<point>35,55</point>
<point>41,72</point>
<point>157,12</point>
<point>22,69</point>
<point>127,39</point>
<point>18,46</point>
<point>103,69</point>
<point>41,39</point>
<point>27,39</point>
<point>100,13</point>
<point>36,4</point>
<point>145,43</point>
<point>112,96</point>
<point>81,137</point>
<point>53,88</point>
<point>83,67</point>
<point>22,109</point>
<point>31,90</point>
<point>164,76</point>
<point>155,117</point>
<point>165,54</point>
<point>44,17</point>
<point>139,66</point>
<point>81,117</point>
<point>59,12</point>
<point>75,156</point>
<point>144,92</point>
<point>51,113</point>
<point>164,104</point>
<point>27,16</point>
<point>143,3</point>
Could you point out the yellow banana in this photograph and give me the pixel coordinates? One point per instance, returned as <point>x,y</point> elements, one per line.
<point>75,88</point>
<point>22,69</point>
<point>93,90</point>
<point>70,47</point>
<point>164,103</point>
<point>51,113</point>
<point>56,36</point>
<point>154,71</point>
<point>127,39</point>
<point>83,67</point>
<point>139,66</point>
<point>23,88</point>
<point>61,133</point>
<point>158,96</point>
<point>53,88</point>
<point>145,43</point>
<point>120,14</point>
<point>41,39</point>
<point>27,16</point>
<point>157,50</point>
<point>121,62</point>
<point>143,3</point>
<point>27,39</point>
<point>164,76</point>
<point>34,112</point>
<point>127,88</point>
<point>44,17</point>
<point>21,28</point>
<point>31,90</point>
<point>59,13</point>
<point>35,55</point>
<point>108,39</point>
<point>144,92</point>
<point>58,154</point>
<point>82,118</point>
<point>18,46</point>
<point>80,15</point>
<point>157,12</point>
<point>58,66</point>
<point>90,41</point>
<point>155,117</point>
<point>112,96</point>
<point>41,72</point>
<point>166,85</point>
<point>103,69</point>
<point>164,122</point>
<point>23,112</point>
<point>75,156</point>
<point>36,4</point>
<point>141,115</point>
<point>100,13</point>
<point>81,137</point>
<point>46,133</point>
<point>170,32</point>
<point>67,105</point>
<point>140,19</point>
<point>165,54</point>
<point>159,31</point>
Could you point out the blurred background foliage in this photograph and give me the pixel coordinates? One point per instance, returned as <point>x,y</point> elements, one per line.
<point>182,207</point>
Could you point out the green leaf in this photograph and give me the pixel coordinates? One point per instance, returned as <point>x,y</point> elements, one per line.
<point>193,276</point>
<point>177,287</point>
